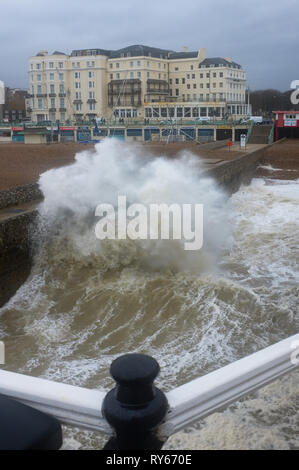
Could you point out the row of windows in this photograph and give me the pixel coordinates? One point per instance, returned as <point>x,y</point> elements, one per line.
<point>201,75</point>
<point>60,65</point>
<point>51,65</point>
<point>200,97</point>
<point>194,85</point>
<point>125,75</point>
<point>78,74</point>
<point>90,85</point>
<point>52,89</point>
<point>51,76</point>
<point>195,112</point>
<point>138,64</point>
<point>209,96</point>
<point>41,104</point>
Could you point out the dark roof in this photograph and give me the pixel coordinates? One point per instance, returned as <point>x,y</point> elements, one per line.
<point>218,61</point>
<point>139,50</point>
<point>183,55</point>
<point>58,53</point>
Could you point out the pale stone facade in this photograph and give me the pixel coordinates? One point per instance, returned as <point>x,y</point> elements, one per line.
<point>137,82</point>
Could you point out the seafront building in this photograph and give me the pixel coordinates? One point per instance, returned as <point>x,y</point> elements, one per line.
<point>136,82</point>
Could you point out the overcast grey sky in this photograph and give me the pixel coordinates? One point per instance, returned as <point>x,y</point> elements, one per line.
<point>261,35</point>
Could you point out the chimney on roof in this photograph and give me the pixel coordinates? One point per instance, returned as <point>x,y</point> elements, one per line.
<point>185,49</point>
<point>202,54</point>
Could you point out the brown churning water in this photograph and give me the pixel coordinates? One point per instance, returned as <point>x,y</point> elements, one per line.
<point>86,302</point>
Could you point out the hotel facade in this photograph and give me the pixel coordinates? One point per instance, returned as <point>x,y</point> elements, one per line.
<point>134,83</point>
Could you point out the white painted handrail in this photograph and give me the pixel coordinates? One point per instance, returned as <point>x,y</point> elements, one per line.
<point>81,407</point>
<point>69,404</point>
<point>213,391</point>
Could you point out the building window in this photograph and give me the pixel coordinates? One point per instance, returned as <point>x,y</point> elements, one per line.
<point>52,102</point>
<point>208,75</point>
<point>183,81</point>
<point>37,66</point>
<point>90,74</point>
<point>38,77</point>
<point>132,74</point>
<point>138,63</point>
<point>176,69</point>
<point>111,76</point>
<point>90,84</point>
<point>214,74</point>
<point>91,106</point>
<point>39,89</point>
<point>78,95</point>
<point>40,103</point>
<point>62,102</point>
<point>77,75</point>
<point>193,75</point>
<point>131,64</point>
<point>78,106</point>
<point>118,75</point>
<point>170,81</point>
<point>177,92</point>
<point>191,67</point>
<point>61,88</point>
<point>91,95</point>
<point>61,76</point>
<point>51,65</point>
<point>52,88</point>
<point>188,76</point>
<point>188,86</point>
<point>111,66</point>
<point>117,65</point>
<point>138,74</point>
<point>77,85</point>
<point>176,81</point>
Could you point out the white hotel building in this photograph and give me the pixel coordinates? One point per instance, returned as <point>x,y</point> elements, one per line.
<point>137,82</point>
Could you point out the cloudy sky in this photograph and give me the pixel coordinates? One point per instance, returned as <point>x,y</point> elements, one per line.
<point>261,35</point>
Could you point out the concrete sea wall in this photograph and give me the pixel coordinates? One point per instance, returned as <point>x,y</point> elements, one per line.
<point>19,195</point>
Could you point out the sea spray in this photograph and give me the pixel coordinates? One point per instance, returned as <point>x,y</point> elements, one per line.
<point>72,194</point>
<point>86,302</point>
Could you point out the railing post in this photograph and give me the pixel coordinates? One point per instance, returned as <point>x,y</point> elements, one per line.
<point>135,407</point>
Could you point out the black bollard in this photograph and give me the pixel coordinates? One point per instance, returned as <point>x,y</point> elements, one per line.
<point>135,407</point>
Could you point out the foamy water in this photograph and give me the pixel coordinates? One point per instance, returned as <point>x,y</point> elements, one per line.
<point>86,302</point>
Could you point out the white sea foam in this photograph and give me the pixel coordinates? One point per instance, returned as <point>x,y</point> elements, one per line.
<point>87,302</point>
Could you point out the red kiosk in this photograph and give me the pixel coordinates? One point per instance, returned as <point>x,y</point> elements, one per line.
<point>286,124</point>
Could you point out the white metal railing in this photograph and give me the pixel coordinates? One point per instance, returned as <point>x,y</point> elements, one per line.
<point>188,403</point>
